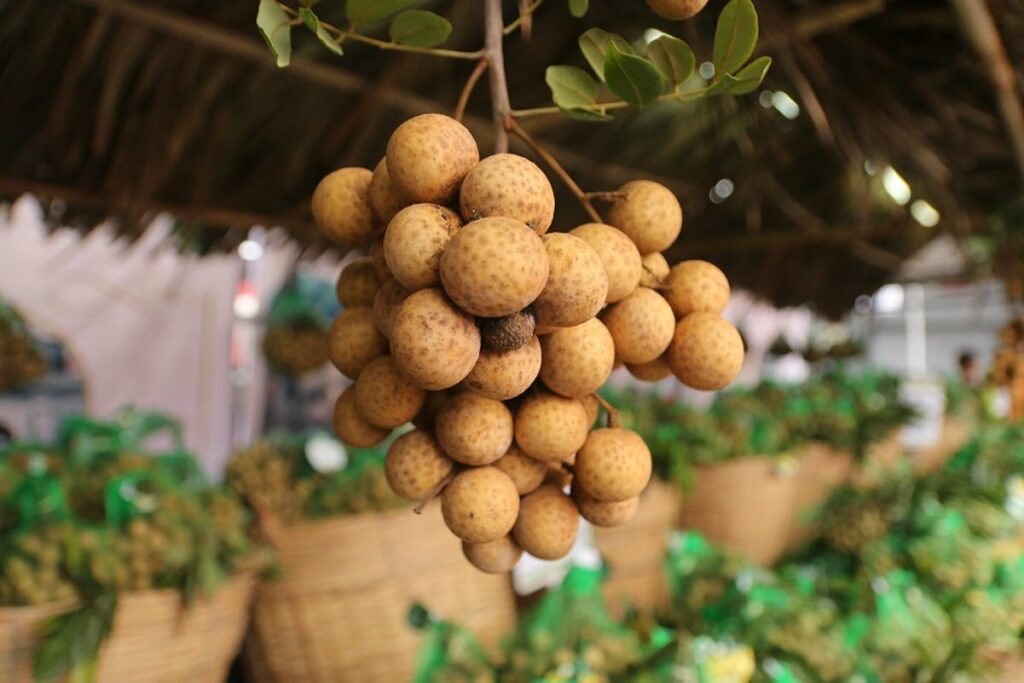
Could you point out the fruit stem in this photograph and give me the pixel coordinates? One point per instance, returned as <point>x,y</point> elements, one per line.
<point>467,90</point>
<point>422,505</point>
<point>494,36</point>
<point>525,14</point>
<point>605,196</point>
<point>613,412</point>
<point>513,126</point>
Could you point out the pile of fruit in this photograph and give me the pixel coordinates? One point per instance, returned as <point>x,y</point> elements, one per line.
<point>20,360</point>
<point>295,342</point>
<point>492,336</point>
<point>1008,365</point>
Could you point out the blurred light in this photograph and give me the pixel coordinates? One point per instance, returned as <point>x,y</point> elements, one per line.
<point>246,304</point>
<point>250,250</point>
<point>870,168</point>
<point>895,186</point>
<point>706,71</point>
<point>721,191</point>
<point>925,214</point>
<point>785,105</point>
<point>862,304</point>
<point>765,99</point>
<point>889,299</point>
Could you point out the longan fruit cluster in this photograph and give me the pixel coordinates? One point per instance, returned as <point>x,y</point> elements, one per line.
<point>295,350</point>
<point>492,336</point>
<point>20,361</point>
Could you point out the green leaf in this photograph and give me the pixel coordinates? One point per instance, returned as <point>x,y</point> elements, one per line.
<point>747,79</point>
<point>273,25</point>
<point>673,57</point>
<point>578,8</point>
<point>632,78</point>
<point>369,11</point>
<point>571,88</point>
<point>420,28</point>
<point>735,36</point>
<point>312,22</point>
<point>594,45</point>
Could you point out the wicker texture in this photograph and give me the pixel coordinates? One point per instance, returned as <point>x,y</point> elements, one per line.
<point>955,433</point>
<point>635,551</point>
<point>338,613</point>
<point>821,469</point>
<point>156,637</point>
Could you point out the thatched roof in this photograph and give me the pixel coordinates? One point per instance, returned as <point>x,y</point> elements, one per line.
<point>121,108</point>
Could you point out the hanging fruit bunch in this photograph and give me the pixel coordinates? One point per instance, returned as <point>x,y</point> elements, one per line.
<point>1008,365</point>
<point>20,360</point>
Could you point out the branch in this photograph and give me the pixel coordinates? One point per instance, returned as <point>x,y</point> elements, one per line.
<point>605,107</point>
<point>553,164</point>
<point>500,107</point>
<point>613,412</point>
<point>467,90</point>
<point>524,19</point>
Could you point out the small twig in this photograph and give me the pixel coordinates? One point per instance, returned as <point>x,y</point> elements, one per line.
<point>605,107</point>
<point>500,106</point>
<point>553,164</point>
<point>605,196</point>
<point>613,412</point>
<point>467,90</point>
<point>436,491</point>
<point>524,20</point>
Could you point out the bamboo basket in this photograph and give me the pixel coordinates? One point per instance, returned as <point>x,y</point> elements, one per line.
<point>635,552</point>
<point>822,469</point>
<point>955,433</point>
<point>339,612</point>
<point>156,638</point>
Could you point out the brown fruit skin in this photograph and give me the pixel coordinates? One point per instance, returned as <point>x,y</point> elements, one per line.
<point>676,10</point>
<point>655,269</point>
<point>385,304</point>
<point>385,198</point>
<point>434,343</point>
<point>353,341</point>
<point>621,259</point>
<point>696,287</point>
<point>592,406</point>
<point>415,465</point>
<point>613,465</point>
<point>641,325</point>
<point>525,472</point>
<point>508,332</point>
<point>577,285</point>
<point>502,375</point>
<point>357,284</point>
<point>474,430</point>
<point>649,214</point>
<point>547,524</point>
<point>577,360</point>
<point>511,186</point>
<point>706,352</point>
<point>414,241</point>
<point>494,557</point>
<point>380,266</point>
<point>550,427</point>
<point>604,514</point>
<point>341,207</point>
<point>656,370</point>
<point>385,398</point>
<point>494,267</point>
<point>429,155</point>
<point>351,429</point>
<point>480,504</point>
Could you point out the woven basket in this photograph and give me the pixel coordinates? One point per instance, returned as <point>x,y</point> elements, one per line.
<point>156,637</point>
<point>338,613</point>
<point>955,433</point>
<point>635,552</point>
<point>822,468</point>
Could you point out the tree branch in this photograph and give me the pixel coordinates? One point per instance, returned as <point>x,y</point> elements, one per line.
<point>467,90</point>
<point>500,108</point>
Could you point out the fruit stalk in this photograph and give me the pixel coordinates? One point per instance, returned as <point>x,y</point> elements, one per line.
<point>494,32</point>
<point>467,90</point>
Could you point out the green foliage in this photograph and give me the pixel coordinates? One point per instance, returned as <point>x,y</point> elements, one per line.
<point>594,46</point>
<point>419,28</point>
<point>369,11</point>
<point>574,91</point>
<point>735,36</point>
<point>70,642</point>
<point>634,79</point>
<point>673,57</point>
<point>275,28</point>
<point>578,8</point>
<point>312,22</point>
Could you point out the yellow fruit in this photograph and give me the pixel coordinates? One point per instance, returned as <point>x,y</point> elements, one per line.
<point>341,207</point>
<point>358,283</point>
<point>550,427</point>
<point>525,472</point>
<point>619,255</point>
<point>494,267</point>
<point>649,214</point>
<point>352,429</point>
<point>641,325</point>
<point>511,186</point>
<point>385,304</point>
<point>577,285</point>
<point>414,241</point>
<point>592,406</point>
<point>494,557</point>
<point>429,155</point>
<point>706,352</point>
<point>655,269</point>
<point>696,287</point>
<point>577,360</point>
<point>657,369</point>
<point>386,199</point>
<point>385,398</point>
<point>433,343</point>
<point>676,10</point>
<point>380,266</point>
<point>480,504</point>
<point>547,524</point>
<point>613,465</point>
<point>474,430</point>
<point>502,375</point>
<point>604,514</point>
<point>415,465</point>
<point>353,341</point>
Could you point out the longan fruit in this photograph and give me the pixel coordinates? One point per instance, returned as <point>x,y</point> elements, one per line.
<point>655,269</point>
<point>341,207</point>
<point>494,267</point>
<point>613,465</point>
<point>550,427</point>
<point>385,304</point>
<point>593,407</point>
<point>429,155</point>
<point>357,284</point>
<point>577,360</point>
<point>600,513</point>
<point>502,375</point>
<point>676,10</point>
<point>696,287</point>
<point>547,524</point>
<point>511,186</point>
<point>480,504</point>
<point>525,472</point>
<point>641,325</point>
<point>621,259</point>
<point>494,557</point>
<point>577,285</point>
<point>558,476</point>
<point>473,429</point>
<point>654,371</point>
<point>380,265</point>
<point>385,398</point>
<point>352,429</point>
<point>433,343</point>
<point>353,341</point>
<point>706,352</point>
<point>648,213</point>
<point>414,241</point>
<point>385,198</point>
<point>507,332</point>
<point>415,465</point>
